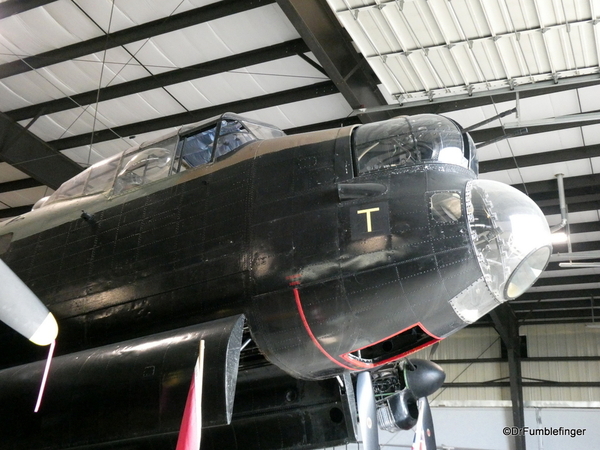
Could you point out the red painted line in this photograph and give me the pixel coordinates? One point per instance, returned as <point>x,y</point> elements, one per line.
<point>291,277</point>
<point>294,283</point>
<point>347,357</point>
<point>310,333</point>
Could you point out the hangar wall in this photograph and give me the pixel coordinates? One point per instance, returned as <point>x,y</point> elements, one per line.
<point>567,354</point>
<point>473,416</point>
<point>482,429</point>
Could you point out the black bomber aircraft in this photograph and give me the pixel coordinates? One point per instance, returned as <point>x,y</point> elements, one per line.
<point>310,266</point>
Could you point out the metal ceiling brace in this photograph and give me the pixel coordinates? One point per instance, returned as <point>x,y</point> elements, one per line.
<point>28,153</point>
<point>12,7</point>
<point>320,29</point>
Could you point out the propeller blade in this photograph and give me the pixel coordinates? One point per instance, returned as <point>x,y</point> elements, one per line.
<point>424,434</point>
<point>367,411</point>
<point>21,310</point>
<point>423,377</point>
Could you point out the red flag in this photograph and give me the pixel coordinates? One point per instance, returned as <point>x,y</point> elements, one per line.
<point>191,424</point>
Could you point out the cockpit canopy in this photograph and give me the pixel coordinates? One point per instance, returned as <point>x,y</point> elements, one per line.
<point>191,146</point>
<point>409,140</point>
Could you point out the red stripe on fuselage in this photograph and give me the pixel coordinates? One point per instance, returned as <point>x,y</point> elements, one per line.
<point>310,333</point>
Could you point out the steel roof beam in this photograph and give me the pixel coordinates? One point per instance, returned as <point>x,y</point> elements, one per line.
<point>494,133</point>
<point>441,105</point>
<point>194,72</point>
<point>538,159</point>
<point>567,279</point>
<point>550,186</point>
<point>28,153</point>
<point>132,34</point>
<point>561,305</point>
<point>14,212</point>
<point>12,7</point>
<point>322,32</point>
<point>19,185</point>
<point>528,316</point>
<point>241,106</point>
<point>574,293</point>
<point>507,326</point>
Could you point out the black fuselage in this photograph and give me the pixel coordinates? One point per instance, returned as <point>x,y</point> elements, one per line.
<point>240,235</point>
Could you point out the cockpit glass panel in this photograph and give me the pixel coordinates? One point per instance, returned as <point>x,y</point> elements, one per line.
<point>263,131</point>
<point>102,175</point>
<point>471,154</point>
<point>145,165</point>
<point>194,146</point>
<point>232,134</point>
<point>410,140</point>
<point>71,188</point>
<point>197,149</point>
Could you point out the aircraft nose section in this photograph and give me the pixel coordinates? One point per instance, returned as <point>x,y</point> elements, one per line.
<point>510,235</point>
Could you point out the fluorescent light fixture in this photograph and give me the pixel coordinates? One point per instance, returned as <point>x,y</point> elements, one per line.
<point>574,118</point>
<point>579,264</point>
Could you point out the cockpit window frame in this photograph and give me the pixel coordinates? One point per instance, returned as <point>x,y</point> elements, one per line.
<point>411,140</point>
<point>258,130</point>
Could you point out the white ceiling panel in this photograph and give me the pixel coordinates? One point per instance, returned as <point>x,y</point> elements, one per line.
<point>24,197</point>
<point>575,217</point>
<point>135,12</point>
<point>83,156</point>
<point>496,150</point>
<point>68,123</point>
<point>591,134</point>
<point>99,152</point>
<point>595,162</point>
<point>544,106</point>
<point>575,168</point>
<point>42,29</point>
<point>589,98</point>
<point>27,89</point>
<point>215,90</point>
<point>250,82</point>
<point>511,176</point>
<point>238,33</point>
<point>544,142</point>
<point>307,112</point>
<point>139,107</point>
<point>7,52</point>
<point>9,173</point>
<point>83,74</point>
<point>585,237</point>
<point>123,110</point>
<point>69,78</point>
